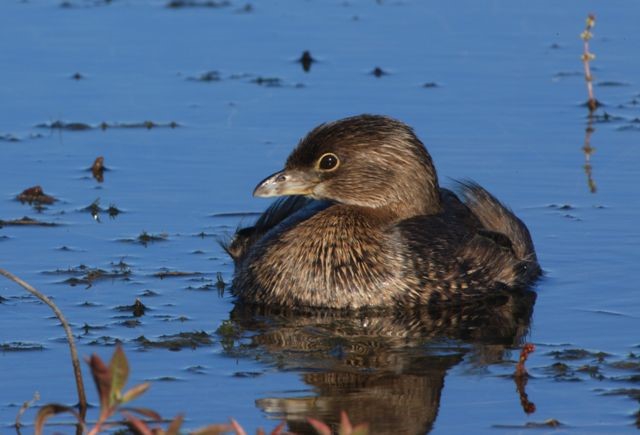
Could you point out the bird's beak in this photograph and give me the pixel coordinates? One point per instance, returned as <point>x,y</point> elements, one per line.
<point>286,182</point>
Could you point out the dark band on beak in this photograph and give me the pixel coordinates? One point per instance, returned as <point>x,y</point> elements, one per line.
<point>285,182</point>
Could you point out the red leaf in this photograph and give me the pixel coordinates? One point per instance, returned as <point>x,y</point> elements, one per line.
<point>319,426</point>
<point>150,413</point>
<point>137,425</point>
<point>237,428</point>
<point>102,378</point>
<point>278,429</point>
<point>345,425</point>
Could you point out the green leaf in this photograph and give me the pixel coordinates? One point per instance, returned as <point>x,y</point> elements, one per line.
<point>49,411</point>
<point>134,392</point>
<point>119,368</point>
<point>102,378</point>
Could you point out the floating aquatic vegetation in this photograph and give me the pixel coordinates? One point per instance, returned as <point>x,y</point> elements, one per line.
<point>148,125</point>
<point>270,82</point>
<point>576,354</point>
<point>379,72</point>
<point>68,4</point>
<point>552,422</point>
<point>166,273</point>
<point>20,346</point>
<point>247,374</point>
<point>85,275</point>
<point>197,369</point>
<point>137,309</point>
<point>130,323</point>
<point>82,126</point>
<point>68,126</point>
<point>95,210</point>
<point>8,137</point>
<point>35,195</point>
<point>26,221</point>
<point>612,84</point>
<point>145,238</point>
<point>209,76</point>
<point>306,60</point>
<point>105,340</point>
<point>246,9</point>
<point>176,4</point>
<point>182,340</point>
<point>97,169</point>
<point>87,328</point>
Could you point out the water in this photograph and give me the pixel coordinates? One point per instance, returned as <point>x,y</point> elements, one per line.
<point>505,111</point>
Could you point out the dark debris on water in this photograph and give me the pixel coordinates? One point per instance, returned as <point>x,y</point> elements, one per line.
<point>166,273</point>
<point>177,4</point>
<point>26,221</point>
<point>137,309</point>
<point>306,60</point>
<point>68,4</point>
<point>35,195</point>
<point>270,82</point>
<point>81,126</point>
<point>85,275</point>
<point>379,72</point>
<point>20,346</point>
<point>209,76</point>
<point>145,238</point>
<point>552,422</point>
<point>576,354</point>
<point>182,340</point>
<point>98,168</point>
<point>95,209</point>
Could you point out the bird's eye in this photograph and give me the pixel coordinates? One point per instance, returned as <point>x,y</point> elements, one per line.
<point>328,162</point>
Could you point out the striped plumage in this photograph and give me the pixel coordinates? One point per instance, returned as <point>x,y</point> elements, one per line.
<point>364,223</point>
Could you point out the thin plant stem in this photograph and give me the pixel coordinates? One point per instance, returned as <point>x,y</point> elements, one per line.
<point>82,398</point>
<point>587,56</point>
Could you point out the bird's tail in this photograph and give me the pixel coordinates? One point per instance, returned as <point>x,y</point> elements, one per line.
<point>496,217</point>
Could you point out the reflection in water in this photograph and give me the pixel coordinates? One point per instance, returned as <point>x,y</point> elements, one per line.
<point>387,370</point>
<point>588,150</point>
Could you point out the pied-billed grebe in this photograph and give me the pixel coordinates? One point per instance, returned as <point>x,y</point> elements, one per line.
<point>365,224</point>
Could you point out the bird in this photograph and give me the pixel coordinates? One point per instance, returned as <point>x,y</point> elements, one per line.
<point>362,223</point>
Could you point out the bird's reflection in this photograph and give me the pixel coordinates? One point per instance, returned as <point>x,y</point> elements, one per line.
<point>386,369</point>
